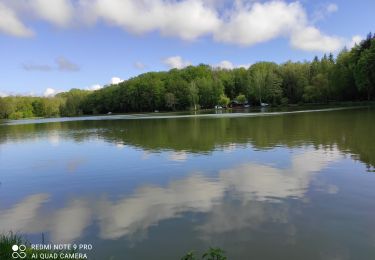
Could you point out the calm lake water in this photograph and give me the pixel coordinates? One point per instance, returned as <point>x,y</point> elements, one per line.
<point>260,186</point>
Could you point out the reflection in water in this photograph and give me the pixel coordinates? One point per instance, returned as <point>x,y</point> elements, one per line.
<point>348,130</point>
<point>68,223</point>
<point>179,156</point>
<point>148,187</point>
<point>253,184</point>
<point>149,205</point>
<point>261,182</point>
<point>20,216</point>
<point>54,138</point>
<point>65,224</point>
<point>227,148</point>
<point>227,217</point>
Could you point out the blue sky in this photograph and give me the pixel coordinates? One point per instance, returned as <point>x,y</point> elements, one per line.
<point>54,45</point>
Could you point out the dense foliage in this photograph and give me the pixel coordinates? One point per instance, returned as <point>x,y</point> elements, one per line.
<point>16,107</point>
<point>348,77</point>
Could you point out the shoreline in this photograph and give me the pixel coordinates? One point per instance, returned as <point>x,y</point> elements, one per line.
<point>229,113</point>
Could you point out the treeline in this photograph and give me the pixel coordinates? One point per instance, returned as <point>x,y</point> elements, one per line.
<point>16,107</point>
<point>63,104</point>
<point>348,77</point>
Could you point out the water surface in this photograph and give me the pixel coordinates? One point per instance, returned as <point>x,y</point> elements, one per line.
<point>261,186</point>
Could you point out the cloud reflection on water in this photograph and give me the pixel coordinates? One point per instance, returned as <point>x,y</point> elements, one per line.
<point>262,182</point>
<point>20,216</point>
<point>180,156</point>
<point>254,185</point>
<point>151,204</point>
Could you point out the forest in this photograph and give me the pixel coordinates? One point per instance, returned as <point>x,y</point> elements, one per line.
<point>348,77</point>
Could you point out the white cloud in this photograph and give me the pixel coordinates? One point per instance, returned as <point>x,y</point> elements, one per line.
<point>3,94</point>
<point>94,87</point>
<point>116,80</point>
<point>50,92</point>
<point>10,24</point>
<point>225,64</point>
<point>356,39</point>
<point>261,22</point>
<point>311,39</point>
<point>59,12</point>
<point>187,19</point>
<point>245,66</point>
<point>242,22</point>
<point>176,62</point>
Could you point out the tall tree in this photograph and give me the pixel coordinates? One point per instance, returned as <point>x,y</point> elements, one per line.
<point>364,71</point>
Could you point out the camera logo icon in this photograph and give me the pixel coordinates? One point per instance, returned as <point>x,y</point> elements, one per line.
<point>19,252</point>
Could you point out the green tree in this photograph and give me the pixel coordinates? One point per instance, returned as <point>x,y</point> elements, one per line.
<point>74,100</point>
<point>224,100</point>
<point>364,71</point>
<point>7,107</point>
<point>241,99</point>
<point>170,100</point>
<point>342,78</point>
<point>318,90</point>
<point>227,78</point>
<point>295,77</point>
<point>193,95</point>
<point>265,82</point>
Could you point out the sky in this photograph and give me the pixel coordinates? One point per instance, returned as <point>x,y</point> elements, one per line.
<point>49,46</point>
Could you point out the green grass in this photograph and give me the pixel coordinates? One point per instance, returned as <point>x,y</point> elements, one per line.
<point>211,254</point>
<point>6,243</point>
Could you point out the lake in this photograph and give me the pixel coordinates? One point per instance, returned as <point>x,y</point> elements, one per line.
<point>297,185</point>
